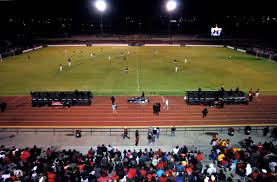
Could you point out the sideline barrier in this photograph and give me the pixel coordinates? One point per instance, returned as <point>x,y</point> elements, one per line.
<point>67,45</point>
<point>164,130</point>
<point>27,50</point>
<point>108,44</point>
<point>202,45</point>
<point>241,50</point>
<point>39,47</point>
<point>230,47</point>
<point>173,45</point>
<point>136,44</point>
<point>32,49</point>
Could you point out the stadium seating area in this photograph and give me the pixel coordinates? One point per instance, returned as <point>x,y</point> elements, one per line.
<point>252,162</point>
<point>255,162</point>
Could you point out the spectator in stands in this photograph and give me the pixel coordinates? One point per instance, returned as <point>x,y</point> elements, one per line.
<point>125,133</point>
<point>137,138</point>
<point>211,169</point>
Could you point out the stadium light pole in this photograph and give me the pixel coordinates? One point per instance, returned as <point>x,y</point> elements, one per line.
<point>101,6</point>
<point>170,7</point>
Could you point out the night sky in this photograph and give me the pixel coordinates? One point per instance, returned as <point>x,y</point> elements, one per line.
<point>56,17</point>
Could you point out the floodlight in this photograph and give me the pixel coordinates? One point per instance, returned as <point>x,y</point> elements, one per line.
<point>100,5</point>
<point>171,5</point>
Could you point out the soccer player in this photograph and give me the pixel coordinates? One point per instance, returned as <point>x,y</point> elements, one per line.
<point>91,55</point>
<point>186,61</point>
<point>110,59</point>
<point>94,57</point>
<point>128,53</point>
<point>29,57</point>
<point>122,55</point>
<point>126,70</point>
<point>176,68</point>
<point>69,62</point>
<point>1,58</point>
<point>175,61</point>
<point>61,68</point>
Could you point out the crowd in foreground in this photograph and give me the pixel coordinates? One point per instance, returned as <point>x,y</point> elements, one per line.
<point>253,162</point>
<point>102,163</point>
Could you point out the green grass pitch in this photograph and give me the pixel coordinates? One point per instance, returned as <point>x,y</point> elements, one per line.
<point>207,68</point>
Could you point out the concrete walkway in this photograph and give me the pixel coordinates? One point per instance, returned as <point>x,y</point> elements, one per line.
<point>192,139</point>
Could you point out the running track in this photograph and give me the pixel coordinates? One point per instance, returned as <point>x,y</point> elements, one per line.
<point>20,114</point>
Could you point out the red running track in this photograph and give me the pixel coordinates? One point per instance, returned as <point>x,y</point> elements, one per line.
<point>20,114</point>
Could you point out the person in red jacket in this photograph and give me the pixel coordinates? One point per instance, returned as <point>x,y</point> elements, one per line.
<point>162,178</point>
<point>25,155</point>
<point>199,156</point>
<point>51,176</point>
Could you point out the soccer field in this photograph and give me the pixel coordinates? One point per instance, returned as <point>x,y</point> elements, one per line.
<point>207,68</point>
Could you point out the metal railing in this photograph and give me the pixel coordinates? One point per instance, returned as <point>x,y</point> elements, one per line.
<point>113,131</point>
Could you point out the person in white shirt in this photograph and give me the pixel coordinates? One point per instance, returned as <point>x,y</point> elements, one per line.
<point>176,150</point>
<point>69,62</point>
<point>61,68</point>
<point>110,59</point>
<point>211,170</point>
<point>176,68</point>
<point>166,105</point>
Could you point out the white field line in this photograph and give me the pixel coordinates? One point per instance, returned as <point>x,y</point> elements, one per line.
<point>163,98</point>
<point>137,73</point>
<point>12,91</point>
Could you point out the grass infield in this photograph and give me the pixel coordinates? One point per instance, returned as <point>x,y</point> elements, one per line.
<point>207,68</point>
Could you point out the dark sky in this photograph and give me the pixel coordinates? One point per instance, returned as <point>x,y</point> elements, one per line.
<point>124,16</point>
<point>81,8</point>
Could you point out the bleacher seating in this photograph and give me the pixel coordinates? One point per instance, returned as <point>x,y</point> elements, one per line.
<point>73,98</point>
<point>208,97</point>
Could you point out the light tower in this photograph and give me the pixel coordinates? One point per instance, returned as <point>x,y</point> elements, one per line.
<point>101,6</point>
<point>170,7</point>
